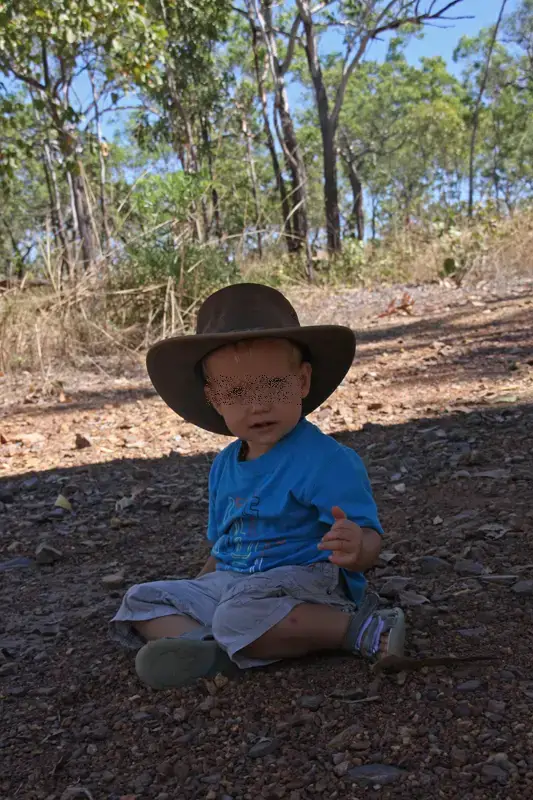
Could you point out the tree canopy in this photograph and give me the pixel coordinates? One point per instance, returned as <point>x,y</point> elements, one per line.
<point>149,132</point>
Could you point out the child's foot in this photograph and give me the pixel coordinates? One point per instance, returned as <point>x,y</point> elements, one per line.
<point>376,633</point>
<point>171,663</point>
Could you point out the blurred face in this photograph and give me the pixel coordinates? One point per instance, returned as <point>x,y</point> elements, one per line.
<point>257,386</point>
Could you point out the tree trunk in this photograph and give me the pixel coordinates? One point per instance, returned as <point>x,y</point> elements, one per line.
<point>216,218</point>
<point>56,211</point>
<point>253,180</point>
<point>287,136</point>
<point>477,108</point>
<point>290,241</point>
<point>328,130</point>
<point>102,154</point>
<point>357,217</point>
<point>331,191</point>
<point>84,216</point>
<point>374,219</point>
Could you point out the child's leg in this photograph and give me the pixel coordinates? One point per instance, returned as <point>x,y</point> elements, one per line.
<point>167,608</point>
<point>164,627</point>
<point>292,611</point>
<point>308,628</point>
<point>170,621</point>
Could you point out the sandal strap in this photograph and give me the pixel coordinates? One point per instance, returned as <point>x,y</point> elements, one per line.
<point>367,627</point>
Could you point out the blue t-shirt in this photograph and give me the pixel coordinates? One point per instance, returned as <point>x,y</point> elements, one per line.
<point>274,510</point>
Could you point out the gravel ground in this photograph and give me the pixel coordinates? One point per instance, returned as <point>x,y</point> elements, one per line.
<point>102,486</point>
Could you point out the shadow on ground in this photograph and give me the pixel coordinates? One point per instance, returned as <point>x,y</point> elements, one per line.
<point>455,500</point>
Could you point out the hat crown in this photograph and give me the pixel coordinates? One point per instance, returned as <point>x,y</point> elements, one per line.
<point>245,307</point>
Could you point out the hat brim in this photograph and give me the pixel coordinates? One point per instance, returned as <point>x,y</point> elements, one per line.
<point>173,367</point>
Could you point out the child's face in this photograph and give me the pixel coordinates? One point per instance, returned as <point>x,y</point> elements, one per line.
<point>257,386</point>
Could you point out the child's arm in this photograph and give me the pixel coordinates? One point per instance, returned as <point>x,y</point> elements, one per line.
<point>209,566</point>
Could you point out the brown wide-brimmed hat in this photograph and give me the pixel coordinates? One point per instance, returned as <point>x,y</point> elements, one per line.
<point>244,311</point>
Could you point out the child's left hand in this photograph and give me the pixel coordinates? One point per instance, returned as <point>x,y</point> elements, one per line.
<point>344,539</point>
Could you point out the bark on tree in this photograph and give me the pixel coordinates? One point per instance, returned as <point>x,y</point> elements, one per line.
<point>477,108</point>
<point>253,181</point>
<point>102,150</point>
<point>357,217</point>
<point>328,126</point>
<point>288,140</point>
<point>290,241</point>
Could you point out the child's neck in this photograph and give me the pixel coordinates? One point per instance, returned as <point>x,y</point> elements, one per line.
<point>250,451</point>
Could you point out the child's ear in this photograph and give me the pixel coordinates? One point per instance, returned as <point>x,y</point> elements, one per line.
<point>305,378</point>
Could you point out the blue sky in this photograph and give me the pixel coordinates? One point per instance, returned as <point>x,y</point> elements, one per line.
<point>443,40</point>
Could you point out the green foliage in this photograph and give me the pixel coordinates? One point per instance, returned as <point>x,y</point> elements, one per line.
<point>186,190</point>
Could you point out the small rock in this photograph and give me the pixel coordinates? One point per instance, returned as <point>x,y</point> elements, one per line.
<point>523,588</point>
<point>360,745</point>
<point>47,554</point>
<point>6,497</point>
<point>30,483</point>
<point>208,704</point>
<point>108,776</point>
<point>312,702</point>
<point>458,756</point>
<point>504,579</point>
<point>181,770</point>
<point>82,442</point>
<point>113,581</point>
<point>14,547</point>
<point>496,706</point>
<point>349,694</point>
<point>393,586</point>
<point>100,733</point>
<point>466,567</point>
<point>264,747</point>
<point>341,769</point>
<point>345,736</point>
<point>493,774</point>
<point>412,599</point>
<point>431,565</point>
<point>502,760</point>
<point>9,668</point>
<point>74,792</point>
<point>469,686</point>
<point>165,768</point>
<point>212,780</point>
<point>400,488</point>
<point>472,633</point>
<point>375,774</point>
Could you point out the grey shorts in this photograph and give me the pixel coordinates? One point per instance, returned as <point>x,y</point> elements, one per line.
<point>238,608</point>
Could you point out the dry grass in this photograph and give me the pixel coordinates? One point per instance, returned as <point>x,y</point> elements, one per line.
<point>76,325</point>
<point>479,252</point>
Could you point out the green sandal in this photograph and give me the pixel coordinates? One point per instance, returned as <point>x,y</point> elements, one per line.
<point>171,663</point>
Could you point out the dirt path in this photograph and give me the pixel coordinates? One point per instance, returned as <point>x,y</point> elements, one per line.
<point>440,405</point>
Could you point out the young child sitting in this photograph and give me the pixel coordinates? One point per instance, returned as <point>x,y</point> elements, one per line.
<point>292,520</point>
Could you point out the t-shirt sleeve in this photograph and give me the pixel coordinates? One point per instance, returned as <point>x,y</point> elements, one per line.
<point>212,523</point>
<point>343,481</point>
